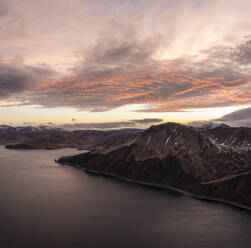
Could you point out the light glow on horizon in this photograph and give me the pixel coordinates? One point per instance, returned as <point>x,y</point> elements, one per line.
<point>37,115</point>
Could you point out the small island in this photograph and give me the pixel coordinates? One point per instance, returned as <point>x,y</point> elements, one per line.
<point>19,147</point>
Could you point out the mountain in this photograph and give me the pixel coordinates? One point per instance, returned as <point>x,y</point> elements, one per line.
<point>54,138</point>
<point>211,163</point>
<point>211,126</point>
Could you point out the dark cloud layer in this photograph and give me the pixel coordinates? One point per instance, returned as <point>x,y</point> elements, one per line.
<point>118,50</point>
<point>16,78</point>
<point>243,53</point>
<point>238,118</point>
<point>113,125</point>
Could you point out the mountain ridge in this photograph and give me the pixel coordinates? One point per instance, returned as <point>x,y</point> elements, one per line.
<point>29,137</point>
<point>179,156</point>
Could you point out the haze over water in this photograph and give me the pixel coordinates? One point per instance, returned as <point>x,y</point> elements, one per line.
<point>43,204</point>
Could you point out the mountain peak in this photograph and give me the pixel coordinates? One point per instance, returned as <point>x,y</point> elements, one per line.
<point>206,162</point>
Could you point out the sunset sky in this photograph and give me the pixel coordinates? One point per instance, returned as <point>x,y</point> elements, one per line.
<point>124,63</point>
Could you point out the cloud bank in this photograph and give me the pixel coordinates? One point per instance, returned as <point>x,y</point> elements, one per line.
<point>126,72</point>
<point>238,118</point>
<point>17,78</point>
<point>169,55</point>
<point>134,123</point>
<point>140,123</point>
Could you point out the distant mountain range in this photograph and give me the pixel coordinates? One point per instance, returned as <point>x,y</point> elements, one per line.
<point>209,162</point>
<point>54,138</point>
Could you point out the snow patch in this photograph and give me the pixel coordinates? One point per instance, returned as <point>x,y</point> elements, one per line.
<point>148,140</point>
<point>167,139</point>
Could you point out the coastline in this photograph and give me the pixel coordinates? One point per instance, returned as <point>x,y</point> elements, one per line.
<point>159,186</point>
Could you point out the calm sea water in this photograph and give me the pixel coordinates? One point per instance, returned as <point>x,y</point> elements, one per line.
<point>43,204</point>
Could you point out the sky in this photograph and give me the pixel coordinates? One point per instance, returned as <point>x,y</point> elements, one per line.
<point>124,63</point>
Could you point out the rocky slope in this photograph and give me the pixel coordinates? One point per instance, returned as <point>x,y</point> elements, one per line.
<point>54,138</point>
<point>211,163</point>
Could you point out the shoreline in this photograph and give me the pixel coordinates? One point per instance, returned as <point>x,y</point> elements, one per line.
<point>159,186</point>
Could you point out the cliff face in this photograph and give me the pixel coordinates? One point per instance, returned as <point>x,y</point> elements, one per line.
<point>213,163</point>
<point>236,188</point>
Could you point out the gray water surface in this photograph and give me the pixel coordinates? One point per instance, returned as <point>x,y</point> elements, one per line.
<point>45,205</point>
